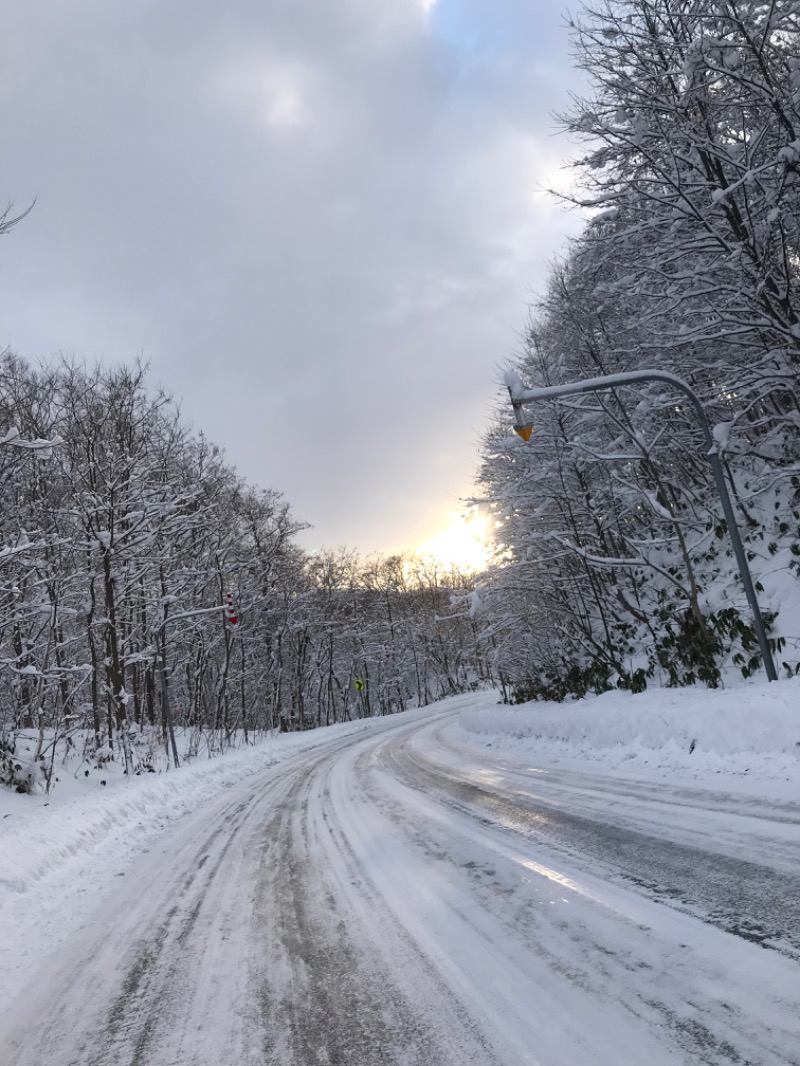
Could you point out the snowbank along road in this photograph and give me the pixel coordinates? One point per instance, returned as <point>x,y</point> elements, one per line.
<point>393,897</point>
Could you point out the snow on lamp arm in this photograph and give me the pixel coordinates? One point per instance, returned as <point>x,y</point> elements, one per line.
<point>43,447</point>
<point>520,396</point>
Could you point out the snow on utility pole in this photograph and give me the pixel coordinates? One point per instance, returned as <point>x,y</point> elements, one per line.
<point>520,396</point>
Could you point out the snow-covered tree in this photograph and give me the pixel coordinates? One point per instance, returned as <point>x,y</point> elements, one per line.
<point>689,264</point>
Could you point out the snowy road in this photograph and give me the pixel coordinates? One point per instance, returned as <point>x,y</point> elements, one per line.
<point>394,898</point>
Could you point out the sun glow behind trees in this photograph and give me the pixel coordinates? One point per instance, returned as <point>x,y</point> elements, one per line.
<point>133,558</point>
<point>463,544</point>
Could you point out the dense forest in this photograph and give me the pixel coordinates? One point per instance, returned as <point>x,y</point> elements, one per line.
<point>141,578</point>
<point>615,565</point>
<point>143,582</point>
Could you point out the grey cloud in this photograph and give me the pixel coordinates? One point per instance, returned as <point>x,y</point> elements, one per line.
<point>318,221</point>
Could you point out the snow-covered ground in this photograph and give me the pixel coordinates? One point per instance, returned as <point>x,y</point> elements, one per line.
<point>61,857</point>
<point>109,815</point>
<point>745,737</point>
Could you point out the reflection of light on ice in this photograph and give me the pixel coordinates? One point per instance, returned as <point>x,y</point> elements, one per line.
<point>555,877</point>
<point>463,544</point>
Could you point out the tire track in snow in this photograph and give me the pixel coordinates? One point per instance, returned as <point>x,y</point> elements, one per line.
<point>225,947</point>
<point>345,908</point>
<point>599,942</point>
<point>530,1004</point>
<point>748,899</point>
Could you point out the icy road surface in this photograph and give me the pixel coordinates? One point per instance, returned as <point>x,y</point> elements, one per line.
<point>394,898</point>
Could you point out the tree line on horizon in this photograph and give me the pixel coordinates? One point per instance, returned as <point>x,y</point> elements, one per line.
<point>124,546</point>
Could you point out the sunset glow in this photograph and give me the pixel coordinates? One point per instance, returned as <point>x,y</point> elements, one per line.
<point>463,543</point>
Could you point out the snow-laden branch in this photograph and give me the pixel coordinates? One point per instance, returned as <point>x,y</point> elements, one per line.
<point>605,560</point>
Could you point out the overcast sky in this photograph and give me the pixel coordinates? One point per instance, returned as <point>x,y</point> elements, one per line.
<point>320,221</point>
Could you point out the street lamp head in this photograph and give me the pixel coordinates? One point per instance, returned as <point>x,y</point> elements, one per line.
<point>514,386</point>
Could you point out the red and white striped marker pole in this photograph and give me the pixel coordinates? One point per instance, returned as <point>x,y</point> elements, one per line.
<point>230,612</point>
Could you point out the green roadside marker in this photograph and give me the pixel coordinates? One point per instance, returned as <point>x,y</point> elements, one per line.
<point>359,684</point>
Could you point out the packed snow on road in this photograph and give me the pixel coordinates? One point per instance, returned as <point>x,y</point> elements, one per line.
<point>609,881</point>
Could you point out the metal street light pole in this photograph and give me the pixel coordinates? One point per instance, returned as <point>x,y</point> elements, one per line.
<point>520,396</point>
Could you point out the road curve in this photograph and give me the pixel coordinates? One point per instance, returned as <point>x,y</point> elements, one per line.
<point>393,898</point>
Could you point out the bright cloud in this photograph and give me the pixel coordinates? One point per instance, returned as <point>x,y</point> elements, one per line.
<point>275,92</point>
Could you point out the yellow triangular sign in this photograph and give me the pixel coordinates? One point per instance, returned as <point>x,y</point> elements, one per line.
<point>524,431</point>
